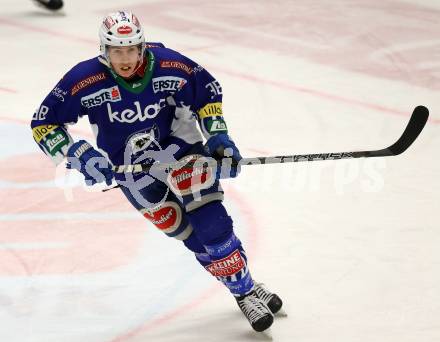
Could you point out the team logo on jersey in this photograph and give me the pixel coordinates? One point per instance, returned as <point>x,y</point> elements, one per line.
<point>124,29</point>
<point>142,140</point>
<point>130,115</point>
<point>87,82</point>
<point>104,95</point>
<point>177,65</point>
<point>168,83</point>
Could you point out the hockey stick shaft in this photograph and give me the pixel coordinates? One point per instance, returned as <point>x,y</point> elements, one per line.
<point>414,127</point>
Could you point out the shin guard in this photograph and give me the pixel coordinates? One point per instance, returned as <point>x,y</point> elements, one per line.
<point>229,265</point>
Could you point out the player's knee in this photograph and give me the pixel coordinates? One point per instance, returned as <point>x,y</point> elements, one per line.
<point>170,219</point>
<point>224,248</point>
<point>211,223</point>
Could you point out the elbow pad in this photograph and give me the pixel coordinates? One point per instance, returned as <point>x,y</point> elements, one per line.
<point>211,119</point>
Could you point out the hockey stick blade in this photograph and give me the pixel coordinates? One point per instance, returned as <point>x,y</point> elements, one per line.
<point>414,127</point>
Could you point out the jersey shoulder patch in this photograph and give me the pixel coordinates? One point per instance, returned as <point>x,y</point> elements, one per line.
<point>172,62</point>
<point>84,75</point>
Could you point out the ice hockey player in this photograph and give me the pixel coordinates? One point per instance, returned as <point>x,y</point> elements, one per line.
<point>141,98</point>
<point>52,5</point>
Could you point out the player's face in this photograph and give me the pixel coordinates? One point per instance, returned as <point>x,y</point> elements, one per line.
<point>124,59</point>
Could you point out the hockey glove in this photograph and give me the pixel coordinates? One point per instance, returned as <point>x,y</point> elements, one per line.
<point>91,163</point>
<point>221,146</point>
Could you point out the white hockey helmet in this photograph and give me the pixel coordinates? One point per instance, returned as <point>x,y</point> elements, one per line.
<point>121,29</point>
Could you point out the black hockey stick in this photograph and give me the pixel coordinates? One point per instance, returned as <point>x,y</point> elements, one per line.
<point>415,125</point>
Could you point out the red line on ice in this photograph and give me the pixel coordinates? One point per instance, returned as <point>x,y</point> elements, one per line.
<point>321,94</point>
<point>53,33</point>
<point>8,90</point>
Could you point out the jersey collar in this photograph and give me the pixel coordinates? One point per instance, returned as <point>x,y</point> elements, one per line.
<point>139,85</point>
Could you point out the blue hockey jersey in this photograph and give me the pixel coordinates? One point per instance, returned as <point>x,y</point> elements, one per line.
<point>165,105</point>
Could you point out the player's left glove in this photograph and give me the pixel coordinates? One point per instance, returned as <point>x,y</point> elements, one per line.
<point>221,146</point>
<point>90,162</point>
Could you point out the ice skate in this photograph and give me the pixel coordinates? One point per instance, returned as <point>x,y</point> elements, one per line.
<point>256,311</point>
<point>272,300</point>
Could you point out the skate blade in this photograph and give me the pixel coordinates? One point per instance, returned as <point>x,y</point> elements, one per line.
<point>281,313</point>
<point>265,335</point>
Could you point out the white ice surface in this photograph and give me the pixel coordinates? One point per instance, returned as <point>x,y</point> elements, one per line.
<point>352,247</point>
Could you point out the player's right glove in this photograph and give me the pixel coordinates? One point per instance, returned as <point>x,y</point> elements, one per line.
<point>221,146</point>
<point>90,162</point>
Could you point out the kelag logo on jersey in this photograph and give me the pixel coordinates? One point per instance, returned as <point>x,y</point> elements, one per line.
<point>168,83</point>
<point>130,116</point>
<point>104,95</point>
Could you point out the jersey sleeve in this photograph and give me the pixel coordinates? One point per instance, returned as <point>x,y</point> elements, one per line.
<point>206,93</point>
<point>49,122</point>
